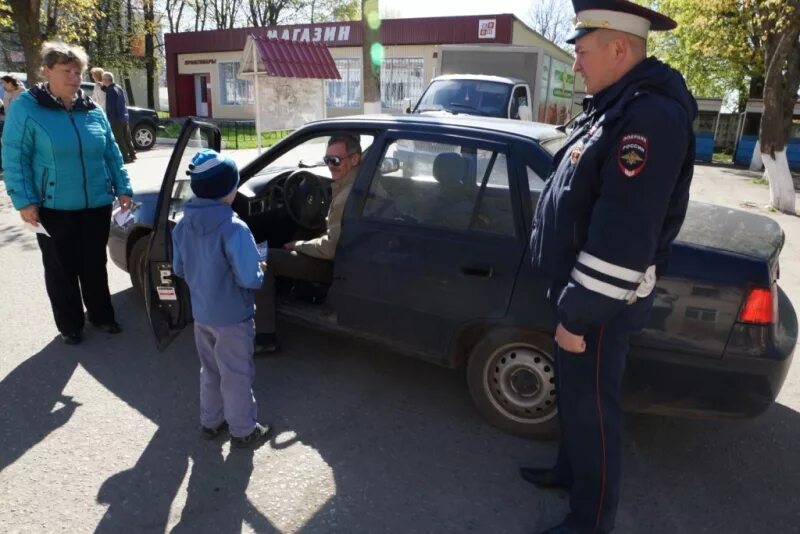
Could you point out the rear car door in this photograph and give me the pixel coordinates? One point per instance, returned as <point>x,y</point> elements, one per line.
<point>167,296</point>
<point>432,240</point>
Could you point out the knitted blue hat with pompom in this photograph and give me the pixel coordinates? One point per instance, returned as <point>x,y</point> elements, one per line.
<point>212,174</point>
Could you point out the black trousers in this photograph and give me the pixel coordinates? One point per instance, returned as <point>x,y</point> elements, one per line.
<point>589,387</point>
<point>74,258</point>
<point>122,134</point>
<point>286,264</point>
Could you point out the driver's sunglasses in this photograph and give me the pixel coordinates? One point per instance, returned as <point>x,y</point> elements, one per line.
<point>333,161</point>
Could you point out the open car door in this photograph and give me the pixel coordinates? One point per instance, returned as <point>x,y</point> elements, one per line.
<point>167,296</point>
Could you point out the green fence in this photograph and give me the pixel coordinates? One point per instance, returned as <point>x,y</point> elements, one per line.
<point>235,133</point>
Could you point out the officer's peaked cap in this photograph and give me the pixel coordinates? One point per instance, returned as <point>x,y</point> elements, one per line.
<point>619,15</point>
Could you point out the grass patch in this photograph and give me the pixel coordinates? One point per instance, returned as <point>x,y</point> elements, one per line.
<point>760,181</point>
<point>722,157</point>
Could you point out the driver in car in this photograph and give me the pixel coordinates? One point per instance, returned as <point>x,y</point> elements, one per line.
<point>310,260</point>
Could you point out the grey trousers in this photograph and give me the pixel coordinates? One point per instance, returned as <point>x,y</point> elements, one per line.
<point>286,264</point>
<point>227,373</point>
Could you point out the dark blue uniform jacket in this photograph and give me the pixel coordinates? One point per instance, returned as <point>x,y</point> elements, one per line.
<point>617,195</point>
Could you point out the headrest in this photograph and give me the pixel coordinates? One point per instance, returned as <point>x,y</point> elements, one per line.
<point>450,168</point>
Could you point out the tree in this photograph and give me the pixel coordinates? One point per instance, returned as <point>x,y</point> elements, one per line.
<point>780,24</point>
<point>262,13</point>
<point>372,55</point>
<point>749,47</point>
<point>41,20</point>
<point>552,19</point>
<point>716,46</point>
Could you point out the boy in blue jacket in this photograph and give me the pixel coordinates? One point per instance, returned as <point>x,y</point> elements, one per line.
<point>216,254</point>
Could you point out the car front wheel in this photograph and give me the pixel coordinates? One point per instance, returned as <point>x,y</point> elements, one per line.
<point>136,264</point>
<point>144,136</point>
<point>511,376</point>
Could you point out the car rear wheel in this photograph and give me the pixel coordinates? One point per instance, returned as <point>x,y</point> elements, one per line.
<point>511,376</point>
<point>144,136</point>
<point>136,264</point>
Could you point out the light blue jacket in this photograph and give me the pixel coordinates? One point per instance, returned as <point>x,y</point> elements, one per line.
<point>214,251</point>
<point>59,159</point>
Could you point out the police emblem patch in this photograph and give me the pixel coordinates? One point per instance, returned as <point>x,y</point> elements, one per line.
<point>632,155</point>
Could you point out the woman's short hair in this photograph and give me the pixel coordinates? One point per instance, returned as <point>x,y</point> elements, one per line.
<point>60,53</point>
<point>97,73</point>
<point>8,78</point>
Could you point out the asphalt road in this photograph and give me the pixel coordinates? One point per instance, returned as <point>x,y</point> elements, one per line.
<point>102,437</point>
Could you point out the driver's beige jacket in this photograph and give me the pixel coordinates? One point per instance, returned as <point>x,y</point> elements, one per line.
<point>324,246</point>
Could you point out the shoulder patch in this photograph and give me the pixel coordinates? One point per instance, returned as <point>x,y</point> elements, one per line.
<point>632,154</point>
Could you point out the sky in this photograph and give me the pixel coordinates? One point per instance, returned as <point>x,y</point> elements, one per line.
<point>429,8</point>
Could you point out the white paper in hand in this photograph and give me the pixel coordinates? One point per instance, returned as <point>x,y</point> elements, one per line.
<point>39,229</point>
<point>121,217</point>
<point>263,249</point>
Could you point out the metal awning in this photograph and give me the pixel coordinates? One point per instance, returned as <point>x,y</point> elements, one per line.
<point>288,59</point>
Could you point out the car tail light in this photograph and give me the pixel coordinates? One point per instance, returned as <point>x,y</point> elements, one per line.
<point>760,306</point>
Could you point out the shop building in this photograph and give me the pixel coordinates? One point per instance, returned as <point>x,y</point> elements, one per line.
<point>203,67</point>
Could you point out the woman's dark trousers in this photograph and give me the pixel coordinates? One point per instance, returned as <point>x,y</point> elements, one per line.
<point>74,258</point>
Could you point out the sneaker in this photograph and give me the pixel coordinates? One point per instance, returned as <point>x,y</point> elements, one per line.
<point>258,435</point>
<point>213,433</point>
<point>266,344</point>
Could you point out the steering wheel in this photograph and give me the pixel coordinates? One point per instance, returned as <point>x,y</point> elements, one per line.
<point>307,199</point>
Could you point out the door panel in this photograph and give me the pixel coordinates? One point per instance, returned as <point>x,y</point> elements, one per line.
<point>166,296</point>
<point>431,247</point>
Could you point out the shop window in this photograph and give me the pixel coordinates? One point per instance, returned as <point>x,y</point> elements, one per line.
<point>346,92</point>
<point>401,77</point>
<point>233,91</point>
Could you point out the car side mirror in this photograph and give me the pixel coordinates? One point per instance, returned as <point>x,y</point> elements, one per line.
<point>390,165</point>
<point>525,114</point>
<point>406,105</point>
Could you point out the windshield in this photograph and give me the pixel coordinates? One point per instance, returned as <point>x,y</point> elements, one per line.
<point>473,97</point>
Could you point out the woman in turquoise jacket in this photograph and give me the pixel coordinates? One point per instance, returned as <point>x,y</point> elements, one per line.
<point>63,170</point>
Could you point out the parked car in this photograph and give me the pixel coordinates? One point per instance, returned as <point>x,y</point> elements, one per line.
<point>143,122</point>
<point>436,265</point>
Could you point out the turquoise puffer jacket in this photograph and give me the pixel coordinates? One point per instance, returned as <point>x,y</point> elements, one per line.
<point>59,159</point>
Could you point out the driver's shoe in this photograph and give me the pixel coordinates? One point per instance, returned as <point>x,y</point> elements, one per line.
<point>266,344</point>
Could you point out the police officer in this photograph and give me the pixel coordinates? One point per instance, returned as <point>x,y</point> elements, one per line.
<point>615,201</point>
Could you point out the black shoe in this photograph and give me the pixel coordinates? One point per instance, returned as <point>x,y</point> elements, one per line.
<point>266,344</point>
<point>256,437</point>
<point>570,525</point>
<point>108,328</point>
<point>213,433</point>
<point>543,478</point>
<point>72,339</point>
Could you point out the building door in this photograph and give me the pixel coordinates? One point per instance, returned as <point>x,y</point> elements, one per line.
<point>185,101</point>
<point>201,95</point>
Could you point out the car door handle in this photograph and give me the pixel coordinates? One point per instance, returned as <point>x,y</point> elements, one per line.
<point>483,270</point>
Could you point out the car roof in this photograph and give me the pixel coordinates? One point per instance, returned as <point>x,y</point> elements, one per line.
<point>480,77</point>
<point>536,131</point>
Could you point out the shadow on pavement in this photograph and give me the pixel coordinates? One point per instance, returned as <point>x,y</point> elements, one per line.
<point>32,403</point>
<point>397,444</point>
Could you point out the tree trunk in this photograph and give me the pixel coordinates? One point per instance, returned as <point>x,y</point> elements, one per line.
<point>149,50</point>
<point>26,15</point>
<point>774,128</point>
<point>371,70</point>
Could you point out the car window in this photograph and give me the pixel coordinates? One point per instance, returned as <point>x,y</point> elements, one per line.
<point>535,183</point>
<point>181,190</point>
<point>442,185</point>
<point>309,154</point>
